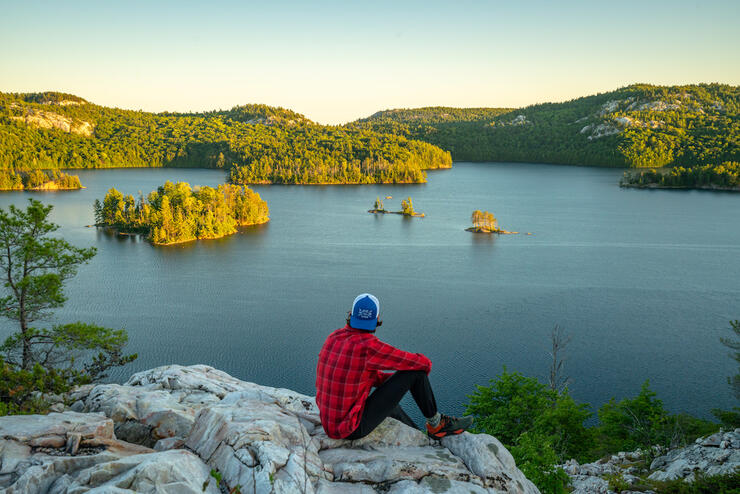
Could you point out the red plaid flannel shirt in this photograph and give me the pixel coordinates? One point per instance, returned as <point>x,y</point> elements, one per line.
<point>350,363</point>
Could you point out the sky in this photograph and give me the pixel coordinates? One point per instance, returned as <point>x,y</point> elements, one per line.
<point>339,61</point>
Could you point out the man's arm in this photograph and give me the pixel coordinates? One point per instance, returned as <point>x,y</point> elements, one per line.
<point>382,356</point>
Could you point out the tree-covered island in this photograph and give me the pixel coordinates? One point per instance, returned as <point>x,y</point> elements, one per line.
<point>725,176</point>
<point>407,208</point>
<point>176,213</point>
<point>485,222</point>
<point>38,180</point>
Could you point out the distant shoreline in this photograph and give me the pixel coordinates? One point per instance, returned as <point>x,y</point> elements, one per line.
<point>718,188</point>
<point>42,188</point>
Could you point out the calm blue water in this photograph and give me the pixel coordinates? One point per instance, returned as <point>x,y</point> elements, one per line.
<point>645,282</point>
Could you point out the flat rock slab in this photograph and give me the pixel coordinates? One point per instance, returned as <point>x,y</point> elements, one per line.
<point>170,472</point>
<point>52,429</point>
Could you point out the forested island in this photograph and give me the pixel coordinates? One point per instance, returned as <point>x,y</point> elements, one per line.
<point>725,176</point>
<point>485,222</point>
<point>637,126</point>
<point>38,180</point>
<point>176,213</point>
<point>257,144</point>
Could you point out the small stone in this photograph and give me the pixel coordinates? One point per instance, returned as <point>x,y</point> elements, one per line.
<point>169,443</point>
<point>77,406</point>
<point>712,441</point>
<point>73,443</point>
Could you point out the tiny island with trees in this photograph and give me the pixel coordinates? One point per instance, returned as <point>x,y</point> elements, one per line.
<point>177,213</point>
<point>407,208</point>
<point>38,180</point>
<point>485,222</point>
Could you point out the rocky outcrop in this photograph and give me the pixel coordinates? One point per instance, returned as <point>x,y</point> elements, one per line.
<point>50,120</point>
<point>259,438</point>
<point>74,452</point>
<point>717,454</point>
<point>590,478</point>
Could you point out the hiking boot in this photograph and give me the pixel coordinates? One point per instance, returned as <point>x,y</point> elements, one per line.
<point>449,426</point>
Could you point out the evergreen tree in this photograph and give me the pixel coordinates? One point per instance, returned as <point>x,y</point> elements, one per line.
<point>35,267</point>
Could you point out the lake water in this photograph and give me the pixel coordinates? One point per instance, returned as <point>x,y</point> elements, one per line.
<point>645,282</point>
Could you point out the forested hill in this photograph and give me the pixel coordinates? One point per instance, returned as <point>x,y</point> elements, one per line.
<point>256,143</point>
<point>636,126</point>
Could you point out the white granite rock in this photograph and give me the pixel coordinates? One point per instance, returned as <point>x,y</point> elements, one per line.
<point>706,455</point>
<point>487,458</point>
<point>168,472</point>
<point>588,484</point>
<point>716,454</point>
<point>436,485</point>
<point>263,439</point>
<point>37,450</point>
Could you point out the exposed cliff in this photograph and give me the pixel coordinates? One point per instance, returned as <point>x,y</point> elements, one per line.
<point>49,120</point>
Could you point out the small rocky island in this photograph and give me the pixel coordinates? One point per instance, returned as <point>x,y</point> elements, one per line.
<point>40,180</point>
<point>486,222</point>
<point>407,208</point>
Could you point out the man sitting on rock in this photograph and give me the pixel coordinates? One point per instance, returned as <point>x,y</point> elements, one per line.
<point>352,361</point>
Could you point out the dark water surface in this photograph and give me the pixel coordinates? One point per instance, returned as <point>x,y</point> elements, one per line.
<point>645,282</point>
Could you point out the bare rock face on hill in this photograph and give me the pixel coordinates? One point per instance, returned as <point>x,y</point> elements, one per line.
<point>50,120</point>
<point>259,438</point>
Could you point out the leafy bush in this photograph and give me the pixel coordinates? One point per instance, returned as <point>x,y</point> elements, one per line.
<point>543,427</point>
<point>642,423</point>
<point>20,390</point>
<point>514,404</point>
<point>536,458</point>
<point>729,419</point>
<point>617,482</point>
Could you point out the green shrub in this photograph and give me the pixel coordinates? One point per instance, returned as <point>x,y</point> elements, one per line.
<point>19,389</point>
<point>617,483</point>
<point>536,458</point>
<point>730,419</point>
<point>642,423</point>
<point>514,404</point>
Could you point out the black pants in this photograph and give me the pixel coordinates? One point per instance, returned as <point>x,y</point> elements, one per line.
<point>383,402</point>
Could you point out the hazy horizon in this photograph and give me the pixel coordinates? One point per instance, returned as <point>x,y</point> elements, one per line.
<point>336,62</point>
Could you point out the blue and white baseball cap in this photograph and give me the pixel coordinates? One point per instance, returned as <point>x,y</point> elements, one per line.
<point>365,311</point>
